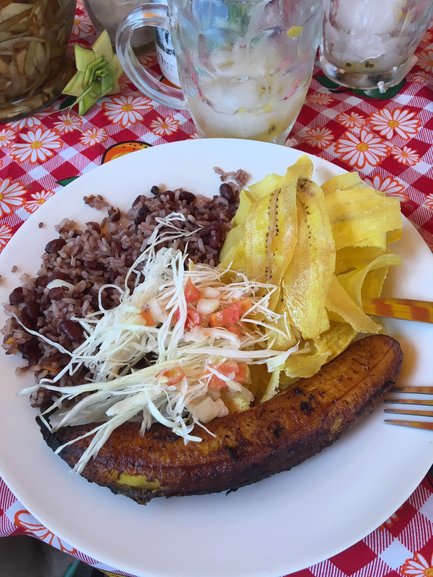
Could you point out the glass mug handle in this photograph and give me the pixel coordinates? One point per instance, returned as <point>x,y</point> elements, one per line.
<point>156,16</point>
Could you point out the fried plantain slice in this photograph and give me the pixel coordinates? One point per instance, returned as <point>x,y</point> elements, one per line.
<point>271,437</point>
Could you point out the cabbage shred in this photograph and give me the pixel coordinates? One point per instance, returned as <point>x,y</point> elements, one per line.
<point>117,340</point>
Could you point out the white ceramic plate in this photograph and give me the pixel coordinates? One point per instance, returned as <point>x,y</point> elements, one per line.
<point>271,528</point>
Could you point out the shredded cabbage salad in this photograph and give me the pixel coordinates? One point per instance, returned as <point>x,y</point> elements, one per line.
<point>193,330</point>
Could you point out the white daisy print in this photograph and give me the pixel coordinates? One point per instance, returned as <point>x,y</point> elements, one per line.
<point>405,155</point>
<point>399,121</point>
<point>38,199</point>
<point>320,98</point>
<point>93,136</point>
<point>147,60</point>
<point>421,77</point>
<point>38,145</point>
<point>125,84</point>
<point>11,195</point>
<point>351,120</point>
<point>28,122</point>
<point>429,204</point>
<point>6,137</point>
<point>390,186</point>
<point>82,25</point>
<point>5,235</point>
<point>360,150</point>
<point>427,38</point>
<point>68,122</point>
<point>425,59</point>
<point>25,520</point>
<point>418,566</point>
<point>126,109</point>
<point>319,137</point>
<point>164,126</point>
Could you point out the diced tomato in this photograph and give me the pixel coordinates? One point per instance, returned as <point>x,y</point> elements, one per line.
<point>243,375</point>
<point>193,318</point>
<point>174,375</point>
<point>192,293</point>
<point>147,316</point>
<point>235,329</point>
<point>240,372</point>
<point>231,314</point>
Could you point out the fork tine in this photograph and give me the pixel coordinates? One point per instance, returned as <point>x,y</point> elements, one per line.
<point>408,389</point>
<point>425,402</point>
<point>414,412</point>
<point>414,424</point>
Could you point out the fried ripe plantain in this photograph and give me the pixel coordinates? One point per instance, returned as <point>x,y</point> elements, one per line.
<point>247,447</point>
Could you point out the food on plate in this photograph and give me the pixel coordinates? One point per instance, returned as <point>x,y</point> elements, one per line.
<point>325,247</point>
<point>183,328</point>
<point>243,447</point>
<point>85,257</point>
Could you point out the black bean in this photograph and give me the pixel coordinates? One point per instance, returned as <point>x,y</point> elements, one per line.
<point>32,309</point>
<point>27,321</point>
<point>114,214</point>
<point>187,196</point>
<point>71,330</point>
<point>226,192</point>
<point>41,281</point>
<point>57,293</point>
<point>206,230</point>
<point>139,198</point>
<point>94,226</point>
<point>55,245</point>
<point>30,350</point>
<point>143,212</point>
<point>62,276</point>
<point>155,190</point>
<point>17,296</point>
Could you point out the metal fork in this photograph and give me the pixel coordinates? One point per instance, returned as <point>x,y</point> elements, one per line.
<point>409,411</point>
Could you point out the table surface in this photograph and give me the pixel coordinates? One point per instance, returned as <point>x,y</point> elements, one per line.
<point>387,140</point>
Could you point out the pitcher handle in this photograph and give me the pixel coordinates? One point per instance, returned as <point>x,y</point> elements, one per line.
<point>156,16</point>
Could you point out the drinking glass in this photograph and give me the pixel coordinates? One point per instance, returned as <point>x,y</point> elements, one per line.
<point>244,65</point>
<point>370,44</point>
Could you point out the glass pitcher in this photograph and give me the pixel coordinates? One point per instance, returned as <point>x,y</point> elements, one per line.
<point>33,63</point>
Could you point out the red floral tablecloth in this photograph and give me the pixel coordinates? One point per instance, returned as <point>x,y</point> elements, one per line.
<point>387,140</point>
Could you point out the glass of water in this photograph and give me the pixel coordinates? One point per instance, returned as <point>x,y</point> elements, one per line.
<point>370,44</point>
<point>244,65</point>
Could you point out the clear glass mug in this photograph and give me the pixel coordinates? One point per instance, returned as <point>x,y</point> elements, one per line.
<point>370,44</point>
<point>244,65</point>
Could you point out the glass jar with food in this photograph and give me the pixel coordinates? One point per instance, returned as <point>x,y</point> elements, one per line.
<point>33,54</point>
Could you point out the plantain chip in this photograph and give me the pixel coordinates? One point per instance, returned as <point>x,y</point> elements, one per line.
<point>307,361</point>
<point>342,182</point>
<point>232,253</point>
<point>256,238</point>
<point>361,217</point>
<point>307,279</point>
<point>325,249</point>
<point>246,201</point>
<point>345,309</point>
<point>353,281</point>
<point>273,385</point>
<point>265,187</point>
